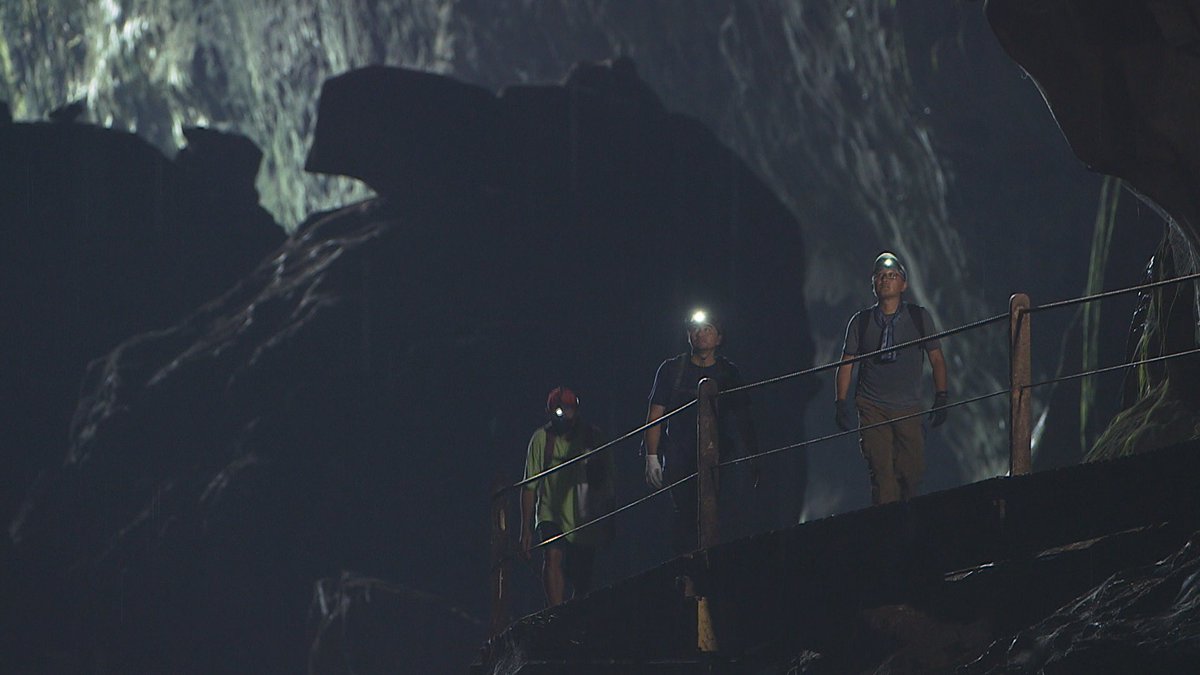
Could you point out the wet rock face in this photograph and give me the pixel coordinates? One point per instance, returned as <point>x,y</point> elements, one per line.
<point>1120,78</point>
<point>1117,80</point>
<point>347,404</point>
<point>1114,73</point>
<point>1145,620</point>
<point>104,238</point>
<point>354,621</point>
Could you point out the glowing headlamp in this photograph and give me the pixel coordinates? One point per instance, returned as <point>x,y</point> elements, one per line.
<point>889,262</point>
<point>558,412</point>
<point>699,317</point>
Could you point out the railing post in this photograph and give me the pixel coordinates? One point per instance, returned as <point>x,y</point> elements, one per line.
<point>1020,418</point>
<point>707,458</point>
<point>499,558</point>
<point>707,453</point>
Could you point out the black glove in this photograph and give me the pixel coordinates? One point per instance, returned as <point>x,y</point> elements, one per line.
<point>845,415</point>
<point>938,417</point>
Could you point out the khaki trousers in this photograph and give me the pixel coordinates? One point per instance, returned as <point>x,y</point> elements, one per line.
<point>894,452</point>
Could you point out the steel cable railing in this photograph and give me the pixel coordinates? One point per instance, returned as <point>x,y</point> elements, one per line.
<point>614,512</point>
<point>799,373</point>
<point>867,355</point>
<point>1110,294</point>
<point>850,361</point>
<point>1119,366</point>
<point>829,437</point>
<point>808,371</point>
<point>1013,315</point>
<point>839,434</point>
<point>605,446</point>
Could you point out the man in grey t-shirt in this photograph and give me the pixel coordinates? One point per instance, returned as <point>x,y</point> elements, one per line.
<point>889,385</point>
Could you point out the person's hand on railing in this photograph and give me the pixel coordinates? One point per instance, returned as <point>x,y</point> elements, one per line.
<point>844,414</point>
<point>938,417</point>
<point>654,476</point>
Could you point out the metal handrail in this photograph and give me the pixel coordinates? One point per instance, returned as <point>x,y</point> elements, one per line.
<point>829,437</point>
<point>1016,311</point>
<point>1113,293</point>
<point>604,446</point>
<point>844,362</point>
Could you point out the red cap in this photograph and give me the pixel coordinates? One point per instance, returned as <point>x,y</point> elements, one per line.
<point>561,397</point>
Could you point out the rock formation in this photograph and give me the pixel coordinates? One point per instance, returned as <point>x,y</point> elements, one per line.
<point>345,406</point>
<point>1120,77</point>
<point>105,239</point>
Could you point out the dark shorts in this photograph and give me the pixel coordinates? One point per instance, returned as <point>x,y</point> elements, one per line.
<point>548,530</point>
<point>578,561</point>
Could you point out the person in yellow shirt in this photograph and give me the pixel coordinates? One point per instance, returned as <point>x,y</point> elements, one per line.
<point>565,499</point>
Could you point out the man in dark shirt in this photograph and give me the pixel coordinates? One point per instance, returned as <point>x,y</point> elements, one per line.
<point>671,451</point>
<point>890,385</point>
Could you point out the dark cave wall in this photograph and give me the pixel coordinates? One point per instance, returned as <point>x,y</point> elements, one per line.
<point>347,404</point>
<point>106,238</point>
<point>1120,79</point>
<point>879,125</point>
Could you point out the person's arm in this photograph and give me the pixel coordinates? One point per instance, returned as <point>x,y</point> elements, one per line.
<point>653,436</point>
<point>844,414</point>
<point>842,381</point>
<point>938,362</point>
<point>941,396</point>
<point>527,500</point>
<point>533,466</point>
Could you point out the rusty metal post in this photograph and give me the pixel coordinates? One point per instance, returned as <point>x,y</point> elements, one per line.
<point>707,458</point>
<point>499,558</point>
<point>1020,419</point>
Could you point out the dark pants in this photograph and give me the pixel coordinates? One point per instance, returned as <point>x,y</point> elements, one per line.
<point>578,561</point>
<point>895,452</point>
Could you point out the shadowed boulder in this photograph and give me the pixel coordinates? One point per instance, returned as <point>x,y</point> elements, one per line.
<point>355,621</point>
<point>348,403</point>
<point>1142,620</point>
<point>1122,78</point>
<point>404,131</point>
<point>104,239</point>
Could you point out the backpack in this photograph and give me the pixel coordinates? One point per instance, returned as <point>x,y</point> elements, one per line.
<point>680,364</point>
<point>915,312</point>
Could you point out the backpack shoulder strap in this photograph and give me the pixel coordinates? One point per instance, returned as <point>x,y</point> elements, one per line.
<point>861,318</point>
<point>680,366</point>
<point>725,367</point>
<point>917,313</point>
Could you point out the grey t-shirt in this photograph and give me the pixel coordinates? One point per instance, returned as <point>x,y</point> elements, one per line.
<point>896,384</point>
